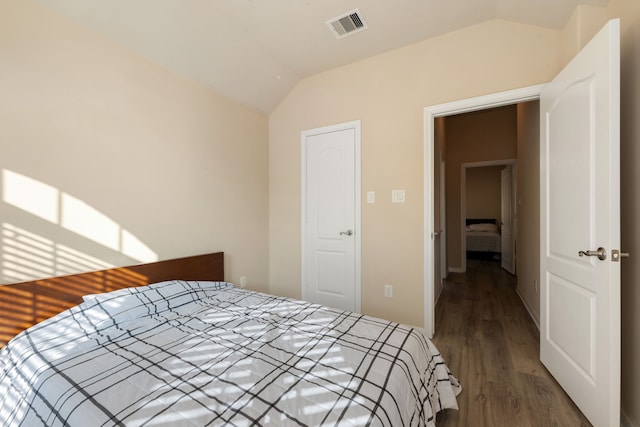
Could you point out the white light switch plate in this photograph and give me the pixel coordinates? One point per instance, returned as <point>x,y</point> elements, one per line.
<point>397,196</point>
<point>371,196</point>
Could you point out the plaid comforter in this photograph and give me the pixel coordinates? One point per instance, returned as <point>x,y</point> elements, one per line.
<point>205,353</point>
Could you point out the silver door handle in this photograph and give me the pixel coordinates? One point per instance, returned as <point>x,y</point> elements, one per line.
<point>346,233</point>
<point>601,253</point>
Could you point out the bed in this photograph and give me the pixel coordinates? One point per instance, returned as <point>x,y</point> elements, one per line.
<point>482,237</point>
<point>173,344</point>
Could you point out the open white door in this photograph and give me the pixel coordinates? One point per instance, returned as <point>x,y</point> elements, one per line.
<point>580,211</point>
<point>507,247</point>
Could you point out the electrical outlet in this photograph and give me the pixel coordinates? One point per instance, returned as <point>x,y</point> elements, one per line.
<point>243,282</point>
<point>535,286</point>
<point>388,291</point>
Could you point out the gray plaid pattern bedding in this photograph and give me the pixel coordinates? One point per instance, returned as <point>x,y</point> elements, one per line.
<point>205,353</point>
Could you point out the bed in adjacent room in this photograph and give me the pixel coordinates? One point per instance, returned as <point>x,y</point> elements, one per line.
<point>483,237</point>
<point>184,347</point>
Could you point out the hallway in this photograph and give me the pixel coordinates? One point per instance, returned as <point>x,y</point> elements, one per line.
<point>491,344</point>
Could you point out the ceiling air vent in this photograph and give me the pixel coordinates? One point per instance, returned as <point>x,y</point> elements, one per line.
<point>347,24</point>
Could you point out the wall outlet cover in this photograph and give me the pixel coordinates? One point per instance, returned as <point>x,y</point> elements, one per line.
<point>388,291</point>
<point>397,196</point>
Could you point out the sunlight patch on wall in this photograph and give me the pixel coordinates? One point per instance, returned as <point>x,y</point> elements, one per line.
<point>70,261</point>
<point>81,218</point>
<point>133,247</point>
<point>30,195</point>
<point>27,255</point>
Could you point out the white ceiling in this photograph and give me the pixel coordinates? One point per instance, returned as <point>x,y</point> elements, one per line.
<point>255,51</point>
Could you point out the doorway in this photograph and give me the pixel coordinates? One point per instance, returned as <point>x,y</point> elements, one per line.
<point>488,191</point>
<point>531,93</point>
<point>579,137</point>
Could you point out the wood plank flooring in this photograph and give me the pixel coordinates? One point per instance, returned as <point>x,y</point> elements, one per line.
<point>491,344</point>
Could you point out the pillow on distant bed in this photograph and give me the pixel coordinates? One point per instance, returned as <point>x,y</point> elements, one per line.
<point>491,228</point>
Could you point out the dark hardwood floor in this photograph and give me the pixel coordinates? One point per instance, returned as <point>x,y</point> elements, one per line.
<point>491,344</point>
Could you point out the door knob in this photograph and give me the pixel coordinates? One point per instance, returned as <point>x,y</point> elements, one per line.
<point>346,233</point>
<point>601,253</point>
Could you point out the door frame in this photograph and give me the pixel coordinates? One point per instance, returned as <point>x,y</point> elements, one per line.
<point>513,220</point>
<point>356,126</point>
<point>463,199</point>
<point>524,94</point>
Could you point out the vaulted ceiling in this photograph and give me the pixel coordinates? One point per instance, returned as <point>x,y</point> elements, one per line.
<point>255,51</point>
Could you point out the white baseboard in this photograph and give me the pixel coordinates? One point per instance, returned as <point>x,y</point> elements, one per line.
<point>524,302</point>
<point>625,421</point>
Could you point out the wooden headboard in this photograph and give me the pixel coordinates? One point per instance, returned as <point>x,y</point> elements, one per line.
<point>24,304</point>
<point>481,221</point>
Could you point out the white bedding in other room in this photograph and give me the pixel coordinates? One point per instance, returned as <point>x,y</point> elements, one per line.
<point>483,241</point>
<point>205,353</point>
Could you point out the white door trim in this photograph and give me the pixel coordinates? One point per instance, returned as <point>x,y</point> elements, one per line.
<point>529,93</point>
<point>356,126</point>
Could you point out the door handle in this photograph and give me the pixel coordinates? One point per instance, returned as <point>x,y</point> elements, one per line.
<point>346,233</point>
<point>601,253</point>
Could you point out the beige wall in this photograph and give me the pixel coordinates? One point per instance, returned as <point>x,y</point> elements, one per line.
<point>388,94</point>
<point>528,206</point>
<point>480,136</point>
<point>483,192</point>
<point>181,168</point>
